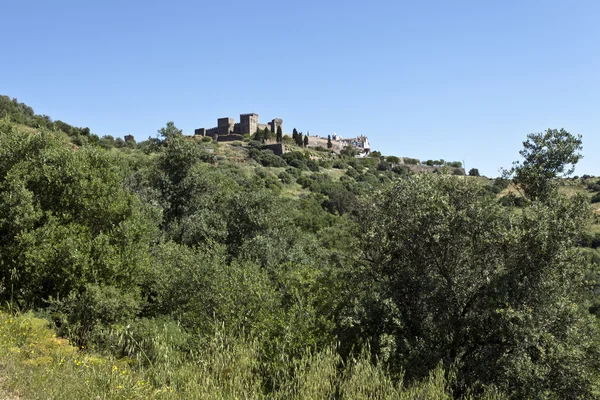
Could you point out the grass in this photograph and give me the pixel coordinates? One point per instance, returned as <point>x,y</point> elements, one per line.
<point>36,364</point>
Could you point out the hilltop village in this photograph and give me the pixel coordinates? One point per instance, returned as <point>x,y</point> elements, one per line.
<point>229,130</point>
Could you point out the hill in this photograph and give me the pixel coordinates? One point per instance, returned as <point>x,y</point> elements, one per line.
<point>183,267</point>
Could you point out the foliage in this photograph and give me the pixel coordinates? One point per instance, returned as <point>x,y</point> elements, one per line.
<point>170,131</point>
<point>242,274</point>
<point>66,220</point>
<point>473,172</point>
<point>547,155</point>
<point>21,113</point>
<point>497,296</point>
<point>37,364</point>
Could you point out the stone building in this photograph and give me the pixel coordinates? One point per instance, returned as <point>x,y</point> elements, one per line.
<point>227,129</point>
<point>360,143</point>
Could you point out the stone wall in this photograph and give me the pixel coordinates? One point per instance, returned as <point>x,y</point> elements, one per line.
<point>276,123</point>
<point>229,138</point>
<point>248,123</point>
<point>225,126</point>
<point>427,168</point>
<point>277,148</point>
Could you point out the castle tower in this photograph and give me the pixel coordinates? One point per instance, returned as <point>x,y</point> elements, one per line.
<point>276,123</point>
<point>248,123</point>
<point>225,126</point>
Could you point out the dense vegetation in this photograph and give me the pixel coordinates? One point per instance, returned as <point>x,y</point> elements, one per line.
<point>210,270</point>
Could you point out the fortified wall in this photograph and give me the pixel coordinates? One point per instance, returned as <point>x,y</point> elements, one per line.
<point>227,129</point>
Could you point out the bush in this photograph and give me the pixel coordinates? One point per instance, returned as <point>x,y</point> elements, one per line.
<point>473,172</point>
<point>299,164</point>
<point>511,200</point>
<point>286,178</point>
<point>596,198</point>
<point>304,181</point>
<point>267,158</point>
<point>312,165</point>
<point>410,161</point>
<point>78,316</point>
<point>392,159</point>
<point>339,164</point>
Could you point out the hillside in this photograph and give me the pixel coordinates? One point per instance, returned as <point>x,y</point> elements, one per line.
<point>181,267</point>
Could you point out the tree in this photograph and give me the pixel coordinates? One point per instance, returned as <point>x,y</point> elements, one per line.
<point>449,276</point>
<point>279,136</point>
<point>295,135</point>
<point>473,172</point>
<point>258,135</point>
<point>547,155</point>
<point>329,144</point>
<point>170,131</point>
<point>299,139</point>
<point>393,159</point>
<point>267,134</point>
<point>305,141</point>
<point>66,219</point>
<point>129,140</point>
<point>107,142</point>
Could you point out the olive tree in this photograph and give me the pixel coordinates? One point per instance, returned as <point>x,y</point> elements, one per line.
<point>449,276</point>
<point>547,155</point>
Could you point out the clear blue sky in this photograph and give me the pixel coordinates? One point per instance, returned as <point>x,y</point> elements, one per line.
<point>458,80</point>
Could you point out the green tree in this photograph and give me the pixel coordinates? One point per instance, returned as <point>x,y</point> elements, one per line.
<point>449,276</point>
<point>329,144</point>
<point>170,130</point>
<point>279,137</point>
<point>66,219</point>
<point>305,141</point>
<point>393,159</point>
<point>295,135</point>
<point>473,172</point>
<point>547,155</point>
<point>107,142</point>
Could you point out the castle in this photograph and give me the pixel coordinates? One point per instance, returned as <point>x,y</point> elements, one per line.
<point>227,129</point>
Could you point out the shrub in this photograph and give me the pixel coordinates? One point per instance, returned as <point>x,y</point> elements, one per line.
<point>393,160</point>
<point>511,200</point>
<point>286,178</point>
<point>596,198</point>
<point>312,165</point>
<point>80,314</point>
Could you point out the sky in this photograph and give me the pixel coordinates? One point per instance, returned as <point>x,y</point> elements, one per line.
<point>453,80</point>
